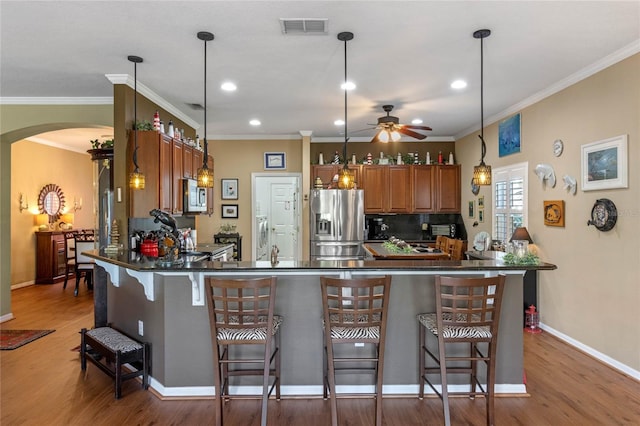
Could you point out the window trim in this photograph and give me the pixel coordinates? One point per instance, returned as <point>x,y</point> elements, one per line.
<point>517,170</point>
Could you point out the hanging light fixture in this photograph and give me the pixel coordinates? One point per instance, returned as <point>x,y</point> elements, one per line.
<point>346,179</point>
<point>205,175</point>
<point>482,172</point>
<point>136,178</point>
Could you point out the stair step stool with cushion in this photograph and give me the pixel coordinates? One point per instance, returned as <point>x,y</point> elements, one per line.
<point>110,349</point>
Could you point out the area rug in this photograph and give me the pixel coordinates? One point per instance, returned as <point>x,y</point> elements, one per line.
<point>12,339</point>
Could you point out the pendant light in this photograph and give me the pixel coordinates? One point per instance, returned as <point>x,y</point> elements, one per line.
<point>205,175</point>
<point>346,179</point>
<point>136,178</point>
<point>482,172</point>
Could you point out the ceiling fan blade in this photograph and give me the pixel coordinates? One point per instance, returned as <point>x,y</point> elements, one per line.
<point>411,133</point>
<point>411,126</point>
<point>362,130</point>
<point>375,138</point>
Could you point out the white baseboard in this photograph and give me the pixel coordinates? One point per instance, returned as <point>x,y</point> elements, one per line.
<point>623,368</point>
<point>6,317</point>
<point>21,285</point>
<point>316,391</point>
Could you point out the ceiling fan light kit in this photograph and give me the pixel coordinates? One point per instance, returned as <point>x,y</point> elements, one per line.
<point>136,178</point>
<point>205,175</point>
<point>482,172</point>
<point>390,129</point>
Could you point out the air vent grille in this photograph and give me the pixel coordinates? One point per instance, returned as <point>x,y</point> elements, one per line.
<point>196,106</point>
<point>304,25</point>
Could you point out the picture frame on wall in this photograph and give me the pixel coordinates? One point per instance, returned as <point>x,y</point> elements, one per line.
<point>554,213</point>
<point>481,216</point>
<point>604,164</point>
<point>509,136</point>
<point>229,211</point>
<point>229,189</point>
<point>481,202</point>
<point>472,209</point>
<point>275,161</point>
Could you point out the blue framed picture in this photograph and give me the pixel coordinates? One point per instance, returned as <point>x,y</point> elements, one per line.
<point>509,136</point>
<point>275,161</point>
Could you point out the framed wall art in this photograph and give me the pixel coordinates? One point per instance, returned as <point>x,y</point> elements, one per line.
<point>275,161</point>
<point>229,211</point>
<point>229,189</point>
<point>509,136</point>
<point>481,216</point>
<point>554,213</point>
<point>604,164</point>
<point>481,202</point>
<point>472,209</point>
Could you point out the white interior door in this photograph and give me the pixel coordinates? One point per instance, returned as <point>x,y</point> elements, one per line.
<point>276,196</point>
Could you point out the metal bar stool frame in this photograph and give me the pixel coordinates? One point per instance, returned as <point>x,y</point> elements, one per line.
<point>241,312</point>
<point>467,311</point>
<point>355,311</point>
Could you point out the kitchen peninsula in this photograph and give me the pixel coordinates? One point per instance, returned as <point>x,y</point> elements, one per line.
<point>169,301</point>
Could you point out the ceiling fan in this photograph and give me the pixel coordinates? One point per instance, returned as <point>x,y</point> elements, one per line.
<point>389,128</point>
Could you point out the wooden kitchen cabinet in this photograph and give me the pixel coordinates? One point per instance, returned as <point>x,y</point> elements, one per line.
<point>326,172</point>
<point>423,180</point>
<point>387,189</point>
<point>447,194</point>
<point>50,257</point>
<point>160,158</point>
<point>187,162</point>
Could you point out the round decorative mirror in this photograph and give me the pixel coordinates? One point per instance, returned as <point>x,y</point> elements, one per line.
<point>51,201</point>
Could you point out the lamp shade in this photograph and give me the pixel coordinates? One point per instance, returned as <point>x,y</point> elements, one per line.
<point>521,234</point>
<point>42,221</point>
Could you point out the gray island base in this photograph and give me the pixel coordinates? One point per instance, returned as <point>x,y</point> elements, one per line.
<point>169,303</point>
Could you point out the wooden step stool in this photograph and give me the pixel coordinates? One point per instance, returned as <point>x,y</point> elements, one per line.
<point>110,349</point>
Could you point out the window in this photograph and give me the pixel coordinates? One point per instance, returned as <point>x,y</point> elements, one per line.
<point>510,200</point>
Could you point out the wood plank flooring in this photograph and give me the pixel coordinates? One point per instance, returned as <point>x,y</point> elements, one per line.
<point>42,384</point>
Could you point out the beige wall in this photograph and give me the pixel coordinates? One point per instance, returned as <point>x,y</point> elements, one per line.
<point>37,165</point>
<point>238,159</point>
<point>594,295</point>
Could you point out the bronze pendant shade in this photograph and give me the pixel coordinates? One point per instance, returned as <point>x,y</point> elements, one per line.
<point>346,179</point>
<point>205,175</point>
<point>136,178</point>
<point>482,172</point>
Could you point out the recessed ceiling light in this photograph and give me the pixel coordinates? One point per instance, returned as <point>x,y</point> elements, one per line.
<point>459,84</point>
<point>228,86</point>
<point>416,121</point>
<point>349,85</point>
<point>339,122</point>
<point>255,122</point>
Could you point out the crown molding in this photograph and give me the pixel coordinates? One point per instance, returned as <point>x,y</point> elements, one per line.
<point>104,100</point>
<point>338,139</point>
<point>43,141</point>
<point>152,96</point>
<point>611,59</point>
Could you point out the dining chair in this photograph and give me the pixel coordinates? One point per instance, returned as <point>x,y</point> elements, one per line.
<point>467,311</point>
<point>70,256</point>
<point>241,312</point>
<point>355,311</point>
<point>83,265</point>
<point>454,248</point>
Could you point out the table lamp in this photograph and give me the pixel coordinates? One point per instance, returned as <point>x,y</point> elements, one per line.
<point>66,221</point>
<point>42,221</point>
<point>521,240</point>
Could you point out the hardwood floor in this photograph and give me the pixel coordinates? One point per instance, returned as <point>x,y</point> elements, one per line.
<point>42,384</point>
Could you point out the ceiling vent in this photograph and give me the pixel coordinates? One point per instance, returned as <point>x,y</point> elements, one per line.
<point>196,106</point>
<point>304,25</point>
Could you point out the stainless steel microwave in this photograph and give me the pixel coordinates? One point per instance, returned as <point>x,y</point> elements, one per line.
<point>195,199</point>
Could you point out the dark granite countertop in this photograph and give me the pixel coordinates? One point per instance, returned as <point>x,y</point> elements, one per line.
<point>136,261</point>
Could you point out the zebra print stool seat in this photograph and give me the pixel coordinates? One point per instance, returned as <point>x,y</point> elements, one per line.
<point>355,311</point>
<point>467,311</point>
<point>110,349</point>
<point>241,312</point>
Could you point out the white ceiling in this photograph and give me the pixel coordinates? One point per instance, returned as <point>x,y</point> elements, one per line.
<point>404,53</point>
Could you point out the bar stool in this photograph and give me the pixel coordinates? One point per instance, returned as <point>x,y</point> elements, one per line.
<point>355,311</point>
<point>241,313</point>
<point>467,311</point>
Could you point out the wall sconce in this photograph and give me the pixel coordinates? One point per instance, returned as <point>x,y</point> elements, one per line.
<point>24,204</point>
<point>42,221</point>
<point>77,205</point>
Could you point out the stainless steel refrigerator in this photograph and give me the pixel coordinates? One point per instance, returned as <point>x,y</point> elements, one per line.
<point>336,224</point>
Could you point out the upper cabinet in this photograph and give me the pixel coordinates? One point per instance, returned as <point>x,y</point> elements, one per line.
<point>165,161</point>
<point>402,189</point>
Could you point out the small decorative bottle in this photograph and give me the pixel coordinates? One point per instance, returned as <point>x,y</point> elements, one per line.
<point>274,255</point>
<point>428,161</point>
<point>161,127</point>
<point>399,160</point>
<point>320,159</point>
<point>415,158</point>
<point>451,158</point>
<point>440,157</point>
<point>369,159</point>
<point>156,121</point>
<point>171,132</point>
